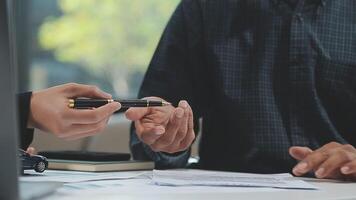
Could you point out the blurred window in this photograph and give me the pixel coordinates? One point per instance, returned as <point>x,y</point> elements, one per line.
<point>107,43</point>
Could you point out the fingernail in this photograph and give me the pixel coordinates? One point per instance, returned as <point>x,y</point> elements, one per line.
<point>345,170</point>
<point>118,105</point>
<point>301,167</point>
<point>184,104</point>
<point>179,113</point>
<point>320,172</point>
<point>159,131</point>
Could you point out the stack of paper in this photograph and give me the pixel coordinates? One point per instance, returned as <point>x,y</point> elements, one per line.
<point>76,177</point>
<point>214,178</point>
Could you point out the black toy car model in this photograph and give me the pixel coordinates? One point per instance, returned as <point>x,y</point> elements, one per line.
<point>38,163</point>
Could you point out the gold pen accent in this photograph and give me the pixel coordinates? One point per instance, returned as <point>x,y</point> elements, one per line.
<point>71,103</point>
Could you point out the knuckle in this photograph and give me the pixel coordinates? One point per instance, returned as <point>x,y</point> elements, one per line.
<point>322,153</point>
<point>71,85</point>
<point>332,144</point>
<point>345,155</point>
<point>348,147</point>
<point>94,88</point>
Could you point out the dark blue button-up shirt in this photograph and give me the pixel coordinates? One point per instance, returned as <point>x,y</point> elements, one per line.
<point>263,75</point>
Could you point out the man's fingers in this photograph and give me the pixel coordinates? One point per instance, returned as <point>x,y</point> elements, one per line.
<point>90,116</point>
<point>311,162</point>
<point>349,168</point>
<point>134,114</point>
<point>171,130</point>
<point>99,129</point>
<point>150,135</point>
<point>79,90</point>
<point>314,159</point>
<point>148,132</point>
<point>76,131</point>
<point>299,153</point>
<point>189,138</point>
<point>331,165</point>
<point>183,130</point>
<point>191,120</point>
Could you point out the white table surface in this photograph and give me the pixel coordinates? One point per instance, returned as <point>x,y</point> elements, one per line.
<point>142,188</point>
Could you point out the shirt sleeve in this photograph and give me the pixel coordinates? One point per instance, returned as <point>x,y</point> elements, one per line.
<point>172,75</point>
<point>26,134</point>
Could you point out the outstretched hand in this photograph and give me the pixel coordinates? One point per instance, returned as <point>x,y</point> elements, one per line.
<point>49,111</point>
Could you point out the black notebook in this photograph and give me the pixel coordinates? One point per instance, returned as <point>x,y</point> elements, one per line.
<point>94,161</point>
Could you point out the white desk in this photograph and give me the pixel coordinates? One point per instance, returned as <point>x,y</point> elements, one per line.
<point>141,188</point>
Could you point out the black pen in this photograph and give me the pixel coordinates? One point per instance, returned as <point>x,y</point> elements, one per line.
<point>81,103</point>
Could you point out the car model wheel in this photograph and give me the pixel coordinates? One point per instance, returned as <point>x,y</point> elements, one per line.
<point>40,167</point>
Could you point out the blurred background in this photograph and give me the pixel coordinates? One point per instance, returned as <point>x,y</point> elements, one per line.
<point>107,43</point>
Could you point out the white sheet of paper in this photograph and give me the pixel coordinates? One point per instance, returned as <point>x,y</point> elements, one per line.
<point>215,178</point>
<point>75,177</point>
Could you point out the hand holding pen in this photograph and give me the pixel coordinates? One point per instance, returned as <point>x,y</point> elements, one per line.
<point>165,128</point>
<point>49,111</point>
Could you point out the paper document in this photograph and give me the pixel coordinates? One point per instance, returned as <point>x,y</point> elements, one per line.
<point>75,177</point>
<point>214,178</point>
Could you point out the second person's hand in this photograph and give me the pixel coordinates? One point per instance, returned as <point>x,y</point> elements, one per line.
<point>49,111</point>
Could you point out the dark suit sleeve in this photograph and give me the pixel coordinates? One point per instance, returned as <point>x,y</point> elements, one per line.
<point>173,76</point>
<point>26,134</point>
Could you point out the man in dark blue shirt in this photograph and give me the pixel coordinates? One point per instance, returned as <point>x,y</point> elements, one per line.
<point>264,76</point>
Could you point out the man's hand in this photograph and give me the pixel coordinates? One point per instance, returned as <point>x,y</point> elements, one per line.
<point>333,160</point>
<point>165,129</point>
<point>49,111</point>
